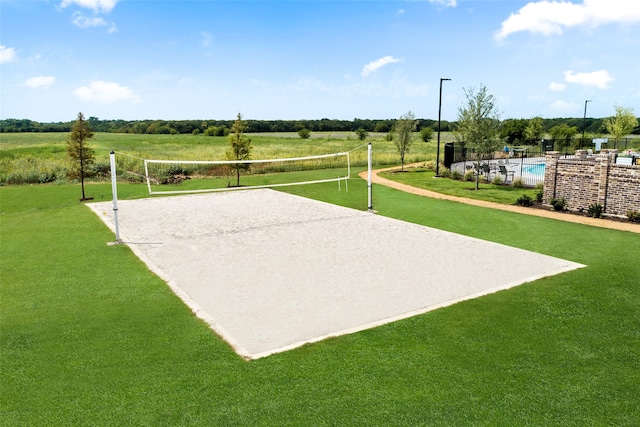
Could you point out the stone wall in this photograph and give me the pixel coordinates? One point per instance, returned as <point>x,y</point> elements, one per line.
<point>585,180</point>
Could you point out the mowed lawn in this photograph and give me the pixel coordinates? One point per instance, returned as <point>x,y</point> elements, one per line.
<point>90,337</point>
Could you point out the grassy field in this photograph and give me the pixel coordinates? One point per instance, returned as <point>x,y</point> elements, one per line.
<point>90,337</point>
<point>41,157</point>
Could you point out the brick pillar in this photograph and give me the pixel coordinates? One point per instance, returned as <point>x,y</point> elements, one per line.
<point>581,154</point>
<point>550,175</point>
<point>601,174</point>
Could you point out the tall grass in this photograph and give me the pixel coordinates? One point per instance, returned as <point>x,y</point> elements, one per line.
<point>41,157</point>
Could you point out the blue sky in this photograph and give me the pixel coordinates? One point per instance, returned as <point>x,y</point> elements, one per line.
<point>148,59</point>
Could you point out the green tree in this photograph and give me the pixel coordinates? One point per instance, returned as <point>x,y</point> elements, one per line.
<point>513,130</point>
<point>304,133</point>
<point>534,130</point>
<point>362,134</point>
<point>479,124</point>
<point>403,132</point>
<point>622,124</point>
<point>384,126</point>
<point>426,133</point>
<point>78,150</point>
<point>563,134</point>
<point>240,148</point>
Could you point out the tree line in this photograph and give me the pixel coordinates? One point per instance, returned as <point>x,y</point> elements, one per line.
<point>512,129</point>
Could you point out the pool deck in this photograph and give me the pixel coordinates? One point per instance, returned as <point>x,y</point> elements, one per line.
<point>517,166</point>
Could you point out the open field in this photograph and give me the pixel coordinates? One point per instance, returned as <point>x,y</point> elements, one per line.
<point>89,336</point>
<point>41,157</point>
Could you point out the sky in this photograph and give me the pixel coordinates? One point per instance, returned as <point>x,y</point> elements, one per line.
<point>305,59</point>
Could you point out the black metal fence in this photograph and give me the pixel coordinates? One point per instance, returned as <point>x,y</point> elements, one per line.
<point>456,152</point>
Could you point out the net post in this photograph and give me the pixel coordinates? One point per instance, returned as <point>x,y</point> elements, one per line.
<point>146,173</point>
<point>114,192</point>
<point>369,188</point>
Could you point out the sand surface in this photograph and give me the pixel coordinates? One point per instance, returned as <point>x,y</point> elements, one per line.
<point>269,271</point>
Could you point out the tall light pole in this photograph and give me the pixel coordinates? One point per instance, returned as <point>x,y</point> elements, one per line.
<point>584,119</point>
<point>439,114</point>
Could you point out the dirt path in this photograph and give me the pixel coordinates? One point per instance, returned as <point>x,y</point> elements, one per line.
<point>596,222</point>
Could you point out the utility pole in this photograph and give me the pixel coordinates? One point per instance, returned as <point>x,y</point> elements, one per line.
<point>439,114</point>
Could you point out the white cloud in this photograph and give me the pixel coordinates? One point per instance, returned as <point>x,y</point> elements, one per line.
<point>557,86</point>
<point>86,22</point>
<point>82,21</point>
<point>378,63</point>
<point>551,17</point>
<point>446,3</point>
<point>103,92</point>
<point>599,79</point>
<point>40,81</point>
<point>105,6</point>
<point>401,12</point>
<point>7,54</point>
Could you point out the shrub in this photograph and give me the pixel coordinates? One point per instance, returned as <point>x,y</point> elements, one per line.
<point>595,210</point>
<point>445,173</point>
<point>31,170</point>
<point>430,164</point>
<point>558,204</point>
<point>455,174</point>
<point>100,170</point>
<point>633,216</point>
<point>524,200</point>
<point>539,196</point>
<point>469,175</point>
<point>518,183</point>
<point>497,180</point>
<point>426,133</point>
<point>304,133</point>
<point>362,134</point>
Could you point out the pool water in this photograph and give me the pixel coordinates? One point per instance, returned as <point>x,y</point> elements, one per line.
<point>535,169</point>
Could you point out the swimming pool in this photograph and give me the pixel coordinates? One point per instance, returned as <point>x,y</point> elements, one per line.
<point>535,169</point>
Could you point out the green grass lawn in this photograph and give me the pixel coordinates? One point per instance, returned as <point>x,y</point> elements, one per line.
<point>89,336</point>
<point>424,178</point>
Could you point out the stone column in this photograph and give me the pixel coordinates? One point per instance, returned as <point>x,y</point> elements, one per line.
<point>601,173</point>
<point>550,175</point>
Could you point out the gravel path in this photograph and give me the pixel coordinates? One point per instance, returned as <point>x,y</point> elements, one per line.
<point>596,222</point>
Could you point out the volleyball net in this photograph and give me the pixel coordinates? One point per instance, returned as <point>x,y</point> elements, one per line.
<point>185,176</point>
<point>198,176</point>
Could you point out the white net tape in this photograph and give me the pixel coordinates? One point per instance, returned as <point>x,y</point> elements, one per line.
<point>176,176</point>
